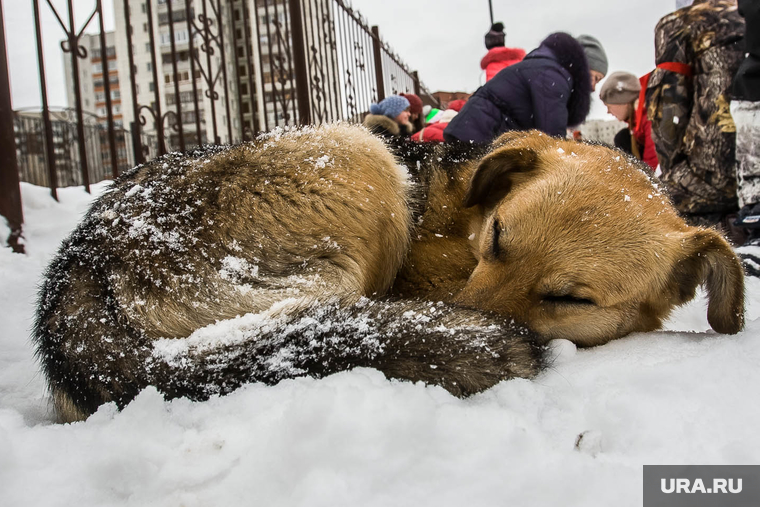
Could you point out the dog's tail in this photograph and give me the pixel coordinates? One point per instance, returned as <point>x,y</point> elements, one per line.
<point>464,351</point>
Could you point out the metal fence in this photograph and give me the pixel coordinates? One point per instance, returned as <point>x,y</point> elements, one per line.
<point>29,132</point>
<point>219,71</point>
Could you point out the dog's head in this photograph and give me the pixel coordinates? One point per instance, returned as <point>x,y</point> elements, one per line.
<point>577,242</point>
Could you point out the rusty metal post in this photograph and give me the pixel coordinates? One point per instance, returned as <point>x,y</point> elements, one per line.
<point>107,86</point>
<point>249,68</point>
<point>236,64</point>
<point>177,97</point>
<point>158,118</point>
<point>191,45</point>
<point>378,50</point>
<point>75,55</point>
<point>299,61</point>
<point>10,190</point>
<point>49,148</point>
<point>135,125</point>
<point>210,93</point>
<point>218,12</point>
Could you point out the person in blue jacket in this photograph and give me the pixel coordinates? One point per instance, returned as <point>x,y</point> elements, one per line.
<point>549,90</point>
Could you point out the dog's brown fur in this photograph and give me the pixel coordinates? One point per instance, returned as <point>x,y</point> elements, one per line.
<point>589,248</point>
<point>573,240</point>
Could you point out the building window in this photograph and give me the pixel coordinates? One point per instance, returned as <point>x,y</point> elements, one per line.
<point>145,27</point>
<point>151,86</point>
<point>148,66</point>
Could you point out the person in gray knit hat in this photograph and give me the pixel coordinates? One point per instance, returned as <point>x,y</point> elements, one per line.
<point>596,56</point>
<point>621,94</point>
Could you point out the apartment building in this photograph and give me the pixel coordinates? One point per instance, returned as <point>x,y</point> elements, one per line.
<point>217,104</point>
<point>602,130</point>
<point>93,71</point>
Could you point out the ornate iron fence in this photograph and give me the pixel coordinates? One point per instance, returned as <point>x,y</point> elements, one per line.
<point>218,71</point>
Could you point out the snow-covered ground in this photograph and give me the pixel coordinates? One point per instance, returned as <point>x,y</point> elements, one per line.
<point>679,396</point>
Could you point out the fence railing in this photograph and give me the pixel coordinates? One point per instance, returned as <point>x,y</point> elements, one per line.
<point>218,71</point>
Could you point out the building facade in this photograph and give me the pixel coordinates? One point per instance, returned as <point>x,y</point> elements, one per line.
<point>205,80</point>
<point>93,71</point>
<point>602,130</point>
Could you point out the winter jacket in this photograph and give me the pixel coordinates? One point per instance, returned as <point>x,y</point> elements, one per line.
<point>383,126</point>
<point>643,135</point>
<point>747,81</point>
<point>433,132</point>
<point>698,51</point>
<point>548,90</point>
<point>498,58</point>
<point>641,129</point>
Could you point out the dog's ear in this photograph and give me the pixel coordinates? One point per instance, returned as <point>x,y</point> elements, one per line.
<point>493,177</point>
<point>709,260</point>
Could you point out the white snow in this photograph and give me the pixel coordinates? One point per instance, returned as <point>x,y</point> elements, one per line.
<point>577,435</point>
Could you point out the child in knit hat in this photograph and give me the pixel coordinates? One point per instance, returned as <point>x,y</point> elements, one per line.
<point>415,110</point>
<point>621,94</point>
<point>389,117</point>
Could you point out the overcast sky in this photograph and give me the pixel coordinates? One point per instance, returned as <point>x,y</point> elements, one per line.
<point>441,39</point>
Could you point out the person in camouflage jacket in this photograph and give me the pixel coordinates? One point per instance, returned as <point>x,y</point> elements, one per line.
<point>698,51</point>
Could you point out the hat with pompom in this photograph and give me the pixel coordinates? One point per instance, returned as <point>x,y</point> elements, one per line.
<point>495,36</point>
<point>390,106</point>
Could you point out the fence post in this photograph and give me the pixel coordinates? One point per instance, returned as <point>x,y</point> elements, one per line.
<point>48,125</point>
<point>376,45</point>
<point>416,78</point>
<point>75,55</point>
<point>10,190</point>
<point>299,61</point>
<point>134,129</point>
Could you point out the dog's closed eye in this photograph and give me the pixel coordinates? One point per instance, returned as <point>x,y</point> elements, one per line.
<point>495,248</point>
<point>566,299</point>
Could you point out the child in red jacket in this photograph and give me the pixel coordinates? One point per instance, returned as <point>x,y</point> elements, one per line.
<point>498,56</point>
<point>621,94</point>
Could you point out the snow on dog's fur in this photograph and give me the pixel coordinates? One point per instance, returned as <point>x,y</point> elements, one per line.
<point>321,254</point>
